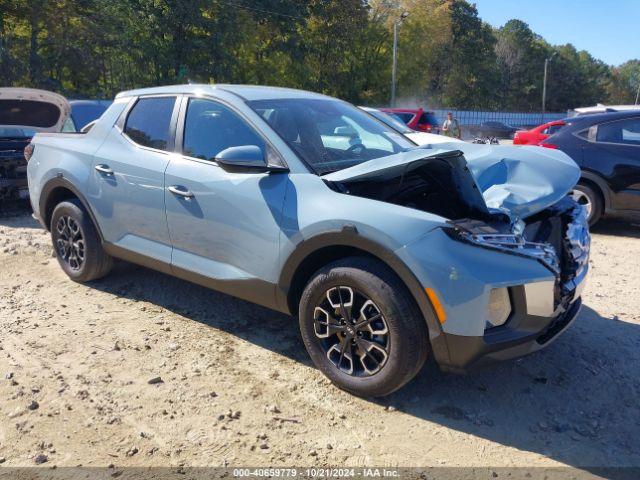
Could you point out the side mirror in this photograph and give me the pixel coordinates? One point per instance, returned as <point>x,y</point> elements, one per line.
<point>245,158</point>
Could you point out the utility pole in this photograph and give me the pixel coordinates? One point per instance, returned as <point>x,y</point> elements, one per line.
<point>544,84</point>
<point>394,65</point>
<point>638,92</point>
<point>544,87</point>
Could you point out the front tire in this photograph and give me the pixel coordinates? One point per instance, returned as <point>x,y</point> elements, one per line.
<point>362,328</point>
<point>77,244</point>
<point>586,196</point>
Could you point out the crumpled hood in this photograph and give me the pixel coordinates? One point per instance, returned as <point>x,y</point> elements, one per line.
<point>520,181</point>
<point>32,109</point>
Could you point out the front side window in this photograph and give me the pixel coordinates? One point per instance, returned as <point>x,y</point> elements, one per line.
<point>624,131</point>
<point>210,128</point>
<point>149,122</point>
<point>330,135</point>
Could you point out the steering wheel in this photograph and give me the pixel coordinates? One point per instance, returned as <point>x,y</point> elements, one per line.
<point>356,149</point>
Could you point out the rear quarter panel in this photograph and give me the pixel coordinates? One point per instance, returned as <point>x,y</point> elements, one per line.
<point>67,155</point>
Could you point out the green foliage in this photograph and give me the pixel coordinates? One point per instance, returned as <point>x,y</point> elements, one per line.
<point>446,55</point>
<point>471,73</point>
<point>625,83</point>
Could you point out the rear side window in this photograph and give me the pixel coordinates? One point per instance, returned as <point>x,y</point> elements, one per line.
<point>69,126</point>
<point>149,122</point>
<point>405,117</point>
<point>623,131</point>
<point>210,128</point>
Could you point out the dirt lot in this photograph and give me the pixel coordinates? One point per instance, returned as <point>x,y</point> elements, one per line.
<point>79,366</point>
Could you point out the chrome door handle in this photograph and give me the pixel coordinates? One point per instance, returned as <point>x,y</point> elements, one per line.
<point>102,168</point>
<point>178,190</point>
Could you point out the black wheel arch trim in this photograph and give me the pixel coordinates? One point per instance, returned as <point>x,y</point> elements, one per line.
<point>601,184</point>
<point>350,238</point>
<point>61,182</point>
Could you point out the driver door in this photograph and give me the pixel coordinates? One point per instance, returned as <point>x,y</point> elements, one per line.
<point>224,227</point>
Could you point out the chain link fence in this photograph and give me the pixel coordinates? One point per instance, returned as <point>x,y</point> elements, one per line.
<point>516,119</point>
<point>471,120</point>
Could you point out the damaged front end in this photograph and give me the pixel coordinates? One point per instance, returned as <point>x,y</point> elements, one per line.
<point>510,199</point>
<point>558,238</point>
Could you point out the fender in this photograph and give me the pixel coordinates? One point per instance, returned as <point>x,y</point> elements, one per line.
<point>602,185</point>
<point>61,182</point>
<point>349,237</point>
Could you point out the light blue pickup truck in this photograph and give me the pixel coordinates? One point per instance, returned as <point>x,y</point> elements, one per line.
<point>388,252</point>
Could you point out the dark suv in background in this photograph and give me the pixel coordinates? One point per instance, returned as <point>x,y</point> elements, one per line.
<point>607,148</point>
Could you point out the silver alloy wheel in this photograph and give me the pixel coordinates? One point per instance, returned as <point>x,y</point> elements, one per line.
<point>70,242</point>
<point>352,331</point>
<point>583,199</point>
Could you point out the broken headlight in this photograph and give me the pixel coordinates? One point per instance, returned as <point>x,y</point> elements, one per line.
<point>505,238</point>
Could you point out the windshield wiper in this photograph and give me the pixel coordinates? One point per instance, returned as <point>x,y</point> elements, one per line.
<point>327,172</point>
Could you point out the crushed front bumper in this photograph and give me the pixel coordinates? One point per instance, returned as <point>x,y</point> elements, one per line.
<point>544,295</point>
<point>527,335</point>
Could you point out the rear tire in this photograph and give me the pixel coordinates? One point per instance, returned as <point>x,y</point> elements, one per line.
<point>76,243</point>
<point>587,196</point>
<point>378,358</point>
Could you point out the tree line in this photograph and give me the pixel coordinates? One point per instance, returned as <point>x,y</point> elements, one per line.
<point>447,56</point>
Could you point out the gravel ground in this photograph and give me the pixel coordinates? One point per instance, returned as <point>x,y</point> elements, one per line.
<point>143,369</point>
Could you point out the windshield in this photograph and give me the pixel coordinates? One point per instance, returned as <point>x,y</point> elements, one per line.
<point>330,135</point>
<point>390,119</point>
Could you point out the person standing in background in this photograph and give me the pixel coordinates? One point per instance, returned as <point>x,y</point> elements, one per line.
<point>451,127</point>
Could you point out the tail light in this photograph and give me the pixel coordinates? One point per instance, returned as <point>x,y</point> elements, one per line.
<point>28,151</point>
<point>424,127</point>
<point>547,145</point>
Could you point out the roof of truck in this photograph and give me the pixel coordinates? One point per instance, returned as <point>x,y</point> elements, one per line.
<point>247,92</point>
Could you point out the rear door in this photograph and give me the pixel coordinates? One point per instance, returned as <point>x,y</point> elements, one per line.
<point>127,183</point>
<point>224,227</point>
<point>613,151</point>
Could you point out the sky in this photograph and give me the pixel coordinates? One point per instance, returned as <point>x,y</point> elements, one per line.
<point>608,29</point>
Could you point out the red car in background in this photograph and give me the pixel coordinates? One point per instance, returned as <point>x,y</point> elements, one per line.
<point>416,119</point>
<point>537,134</point>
